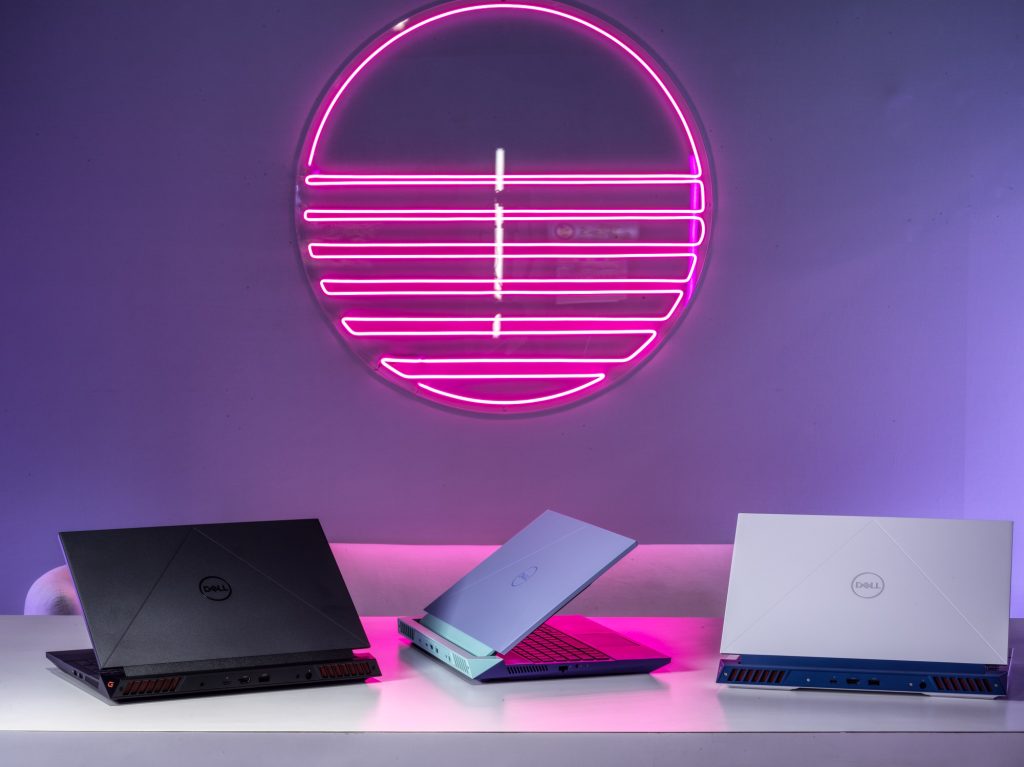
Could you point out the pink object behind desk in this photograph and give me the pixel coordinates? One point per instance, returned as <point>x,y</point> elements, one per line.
<point>399,579</point>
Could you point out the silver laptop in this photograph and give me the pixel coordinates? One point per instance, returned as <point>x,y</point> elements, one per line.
<point>870,604</point>
<point>498,622</point>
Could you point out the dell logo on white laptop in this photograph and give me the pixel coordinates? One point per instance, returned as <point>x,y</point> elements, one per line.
<point>867,585</point>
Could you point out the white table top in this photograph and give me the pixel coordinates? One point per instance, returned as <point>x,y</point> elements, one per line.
<point>418,695</point>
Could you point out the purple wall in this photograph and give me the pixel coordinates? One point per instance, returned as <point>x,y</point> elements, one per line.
<point>856,347</point>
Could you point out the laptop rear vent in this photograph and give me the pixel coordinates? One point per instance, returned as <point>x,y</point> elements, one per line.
<point>460,664</point>
<point>525,668</point>
<point>358,669</point>
<point>966,684</point>
<point>405,631</point>
<point>756,676</point>
<point>154,686</point>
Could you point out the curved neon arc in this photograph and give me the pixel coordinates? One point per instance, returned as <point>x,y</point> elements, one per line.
<point>697,168</point>
<point>506,403</point>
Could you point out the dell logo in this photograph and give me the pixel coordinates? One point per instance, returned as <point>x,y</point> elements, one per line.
<point>867,585</point>
<point>524,576</point>
<point>215,588</point>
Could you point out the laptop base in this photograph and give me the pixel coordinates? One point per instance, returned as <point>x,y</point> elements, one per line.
<point>782,672</point>
<point>81,664</point>
<point>620,655</point>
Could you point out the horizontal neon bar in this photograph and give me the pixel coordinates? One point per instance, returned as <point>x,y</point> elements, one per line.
<point>348,322</point>
<point>325,286</point>
<point>567,179</point>
<point>539,361</point>
<point>313,249</point>
<point>327,215</point>
<point>490,333</point>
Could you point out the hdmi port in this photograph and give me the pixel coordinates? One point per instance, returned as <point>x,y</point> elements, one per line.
<point>852,680</point>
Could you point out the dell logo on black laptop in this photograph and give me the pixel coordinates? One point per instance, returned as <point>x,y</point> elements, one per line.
<point>214,588</point>
<point>867,585</point>
<point>524,576</point>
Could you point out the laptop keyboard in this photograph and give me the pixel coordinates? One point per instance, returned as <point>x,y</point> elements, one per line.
<point>549,645</point>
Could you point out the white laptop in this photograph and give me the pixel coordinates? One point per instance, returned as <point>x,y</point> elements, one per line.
<point>870,604</point>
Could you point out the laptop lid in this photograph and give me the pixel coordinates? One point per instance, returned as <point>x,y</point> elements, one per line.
<point>527,580</point>
<point>199,593</point>
<point>878,588</point>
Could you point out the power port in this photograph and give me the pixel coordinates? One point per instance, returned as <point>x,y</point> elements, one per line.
<point>923,685</point>
<point>264,677</point>
<point>309,674</point>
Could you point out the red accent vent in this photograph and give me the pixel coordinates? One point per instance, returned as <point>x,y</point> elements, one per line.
<point>966,684</point>
<point>154,686</point>
<point>351,670</point>
<point>756,676</point>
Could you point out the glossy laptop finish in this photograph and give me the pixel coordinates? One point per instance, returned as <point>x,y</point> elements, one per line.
<point>496,622</point>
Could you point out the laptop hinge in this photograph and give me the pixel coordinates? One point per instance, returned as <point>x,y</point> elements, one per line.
<point>453,635</point>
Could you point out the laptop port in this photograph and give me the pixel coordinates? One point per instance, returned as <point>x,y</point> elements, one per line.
<point>874,682</point>
<point>852,680</point>
<point>309,674</point>
<point>563,668</point>
<point>264,677</point>
<point>243,679</point>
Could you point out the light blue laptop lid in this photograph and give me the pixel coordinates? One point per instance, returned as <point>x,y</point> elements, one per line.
<point>527,580</point>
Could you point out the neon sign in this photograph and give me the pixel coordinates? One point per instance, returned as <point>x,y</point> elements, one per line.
<point>503,207</point>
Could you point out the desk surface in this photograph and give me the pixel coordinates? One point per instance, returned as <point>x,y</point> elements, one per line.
<point>418,695</point>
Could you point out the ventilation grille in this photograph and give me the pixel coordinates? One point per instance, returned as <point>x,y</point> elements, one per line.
<point>354,669</point>
<point>405,631</point>
<point>460,664</point>
<point>155,686</point>
<point>525,669</point>
<point>756,676</point>
<point>962,684</point>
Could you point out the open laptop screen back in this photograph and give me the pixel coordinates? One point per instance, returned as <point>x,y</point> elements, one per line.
<point>205,592</point>
<point>878,588</point>
<point>528,579</point>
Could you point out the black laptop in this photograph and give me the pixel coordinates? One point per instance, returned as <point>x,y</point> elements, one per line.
<point>197,609</point>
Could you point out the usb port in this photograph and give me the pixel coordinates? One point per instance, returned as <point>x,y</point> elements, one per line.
<point>874,682</point>
<point>264,677</point>
<point>852,680</point>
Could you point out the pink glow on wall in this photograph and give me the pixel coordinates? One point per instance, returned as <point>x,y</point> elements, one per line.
<point>493,291</point>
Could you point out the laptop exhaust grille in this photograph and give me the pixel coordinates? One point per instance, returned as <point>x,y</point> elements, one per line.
<point>406,631</point>
<point>757,676</point>
<point>965,684</point>
<point>460,664</point>
<point>525,668</point>
<point>153,686</point>
<point>359,669</point>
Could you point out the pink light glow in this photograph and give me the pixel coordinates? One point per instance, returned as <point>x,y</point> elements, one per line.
<point>605,268</point>
<point>509,215</point>
<point>511,402</point>
<point>564,179</point>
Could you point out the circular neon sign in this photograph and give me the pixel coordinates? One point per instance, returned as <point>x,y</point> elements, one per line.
<point>503,207</point>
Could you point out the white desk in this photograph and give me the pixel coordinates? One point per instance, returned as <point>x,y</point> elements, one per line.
<point>421,710</point>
